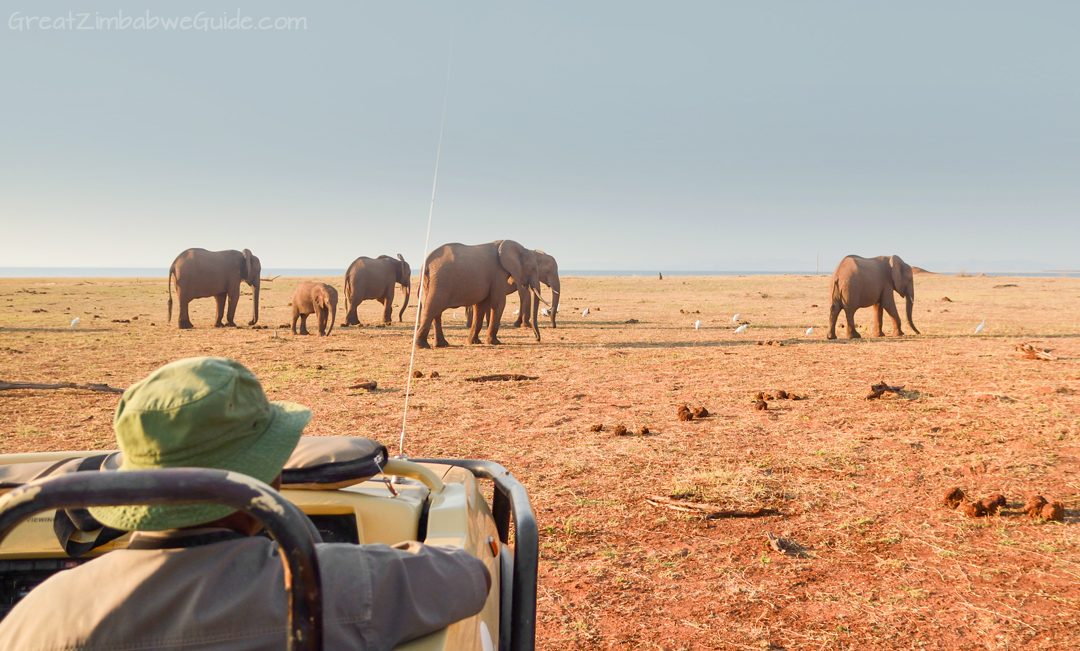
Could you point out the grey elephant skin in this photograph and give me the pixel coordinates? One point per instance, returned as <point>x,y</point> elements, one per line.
<point>375,279</point>
<point>865,282</point>
<point>198,273</point>
<point>319,299</point>
<point>548,269</point>
<point>459,275</point>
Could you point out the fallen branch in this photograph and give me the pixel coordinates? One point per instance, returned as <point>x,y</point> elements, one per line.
<point>269,280</point>
<point>4,386</point>
<point>705,510</point>
<point>370,386</point>
<point>878,390</point>
<point>786,546</point>
<point>1027,351</point>
<point>501,377</point>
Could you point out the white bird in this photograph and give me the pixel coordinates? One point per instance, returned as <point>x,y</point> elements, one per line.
<point>586,312</point>
<point>741,329</point>
<point>545,311</point>
<point>735,319</point>
<point>455,315</point>
<point>275,334</point>
<point>517,311</point>
<point>74,323</point>
<point>558,309</point>
<point>697,324</point>
<point>809,330</point>
<point>977,330</point>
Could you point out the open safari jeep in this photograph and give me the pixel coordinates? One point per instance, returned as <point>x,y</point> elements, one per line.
<point>334,489</point>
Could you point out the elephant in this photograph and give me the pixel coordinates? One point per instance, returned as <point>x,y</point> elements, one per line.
<point>198,273</point>
<point>457,275</point>
<point>369,278</point>
<point>549,275</point>
<point>314,298</point>
<point>864,282</point>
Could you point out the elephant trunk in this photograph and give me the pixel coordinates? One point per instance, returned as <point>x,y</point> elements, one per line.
<point>332,307</point>
<point>255,291</point>
<point>535,308</point>
<point>407,286</point>
<point>556,290</point>
<point>910,305</point>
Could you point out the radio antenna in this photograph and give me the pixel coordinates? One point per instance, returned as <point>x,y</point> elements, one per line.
<point>427,239</point>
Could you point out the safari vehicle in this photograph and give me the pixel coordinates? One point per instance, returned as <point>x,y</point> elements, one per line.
<point>334,489</point>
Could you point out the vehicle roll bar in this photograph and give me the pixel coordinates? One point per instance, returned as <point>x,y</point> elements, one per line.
<point>510,499</point>
<point>288,525</point>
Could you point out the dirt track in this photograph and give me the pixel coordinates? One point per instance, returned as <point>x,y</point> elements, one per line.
<point>857,482</point>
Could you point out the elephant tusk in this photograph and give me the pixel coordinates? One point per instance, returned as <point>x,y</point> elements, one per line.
<point>539,298</point>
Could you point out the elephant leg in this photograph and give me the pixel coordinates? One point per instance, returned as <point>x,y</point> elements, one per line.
<point>220,298</point>
<point>234,298</point>
<point>324,318</point>
<point>388,309</point>
<point>425,328</point>
<point>303,324</point>
<point>877,321</point>
<point>834,312</point>
<point>468,316</point>
<point>351,318</point>
<point>295,316</point>
<point>890,306</point>
<point>183,321</point>
<point>496,320</point>
<point>849,312</point>
<point>479,311</point>
<point>524,319</point>
<point>440,340</point>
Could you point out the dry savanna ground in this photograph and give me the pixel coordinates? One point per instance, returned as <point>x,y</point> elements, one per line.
<point>856,483</point>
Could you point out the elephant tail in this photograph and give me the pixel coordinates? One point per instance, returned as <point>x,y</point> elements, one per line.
<point>348,292</point>
<point>172,278</point>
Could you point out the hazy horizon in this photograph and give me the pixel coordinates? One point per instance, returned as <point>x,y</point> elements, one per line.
<point>699,136</point>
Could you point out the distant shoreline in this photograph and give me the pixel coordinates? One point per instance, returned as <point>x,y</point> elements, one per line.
<point>150,272</point>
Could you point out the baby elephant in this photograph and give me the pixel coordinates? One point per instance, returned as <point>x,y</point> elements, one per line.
<point>314,298</point>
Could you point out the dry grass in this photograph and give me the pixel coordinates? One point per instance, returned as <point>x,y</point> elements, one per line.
<point>857,481</point>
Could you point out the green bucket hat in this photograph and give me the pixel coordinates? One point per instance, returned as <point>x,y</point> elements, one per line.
<point>203,412</point>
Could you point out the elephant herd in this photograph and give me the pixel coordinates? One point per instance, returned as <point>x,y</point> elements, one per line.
<point>478,277</point>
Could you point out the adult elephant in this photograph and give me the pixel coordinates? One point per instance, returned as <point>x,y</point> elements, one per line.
<point>549,275</point>
<point>375,279</point>
<point>864,282</point>
<point>457,275</point>
<point>198,273</point>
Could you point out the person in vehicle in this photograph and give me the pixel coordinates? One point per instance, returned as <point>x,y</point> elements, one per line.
<point>197,576</point>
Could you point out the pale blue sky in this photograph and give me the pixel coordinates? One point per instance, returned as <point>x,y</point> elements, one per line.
<point>615,135</point>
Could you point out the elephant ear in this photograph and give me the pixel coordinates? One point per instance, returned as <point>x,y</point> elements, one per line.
<point>403,275</point>
<point>510,254</point>
<point>246,271</point>
<point>898,276</point>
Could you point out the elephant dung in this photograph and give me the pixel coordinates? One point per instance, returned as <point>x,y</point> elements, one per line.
<point>597,428</point>
<point>417,374</point>
<point>1034,506</point>
<point>685,413</point>
<point>644,431</point>
<point>1054,511</point>
<point>434,374</point>
<point>973,509</point>
<point>701,412</point>
<point>993,503</point>
<point>953,497</point>
<point>761,405</point>
<point>620,430</point>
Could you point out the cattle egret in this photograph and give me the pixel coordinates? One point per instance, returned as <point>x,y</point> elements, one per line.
<point>809,330</point>
<point>558,308</point>
<point>545,311</point>
<point>586,312</point>
<point>741,329</point>
<point>517,311</point>
<point>697,324</point>
<point>977,330</point>
<point>74,323</point>
<point>455,315</point>
<point>735,319</point>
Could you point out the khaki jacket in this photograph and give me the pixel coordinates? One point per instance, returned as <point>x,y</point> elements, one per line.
<point>230,596</point>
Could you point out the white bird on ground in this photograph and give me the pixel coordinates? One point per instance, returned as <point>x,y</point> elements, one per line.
<point>809,330</point>
<point>545,311</point>
<point>517,311</point>
<point>558,309</point>
<point>741,329</point>
<point>735,319</point>
<point>697,324</point>
<point>977,330</point>
<point>586,312</point>
<point>74,323</point>
<point>455,315</point>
